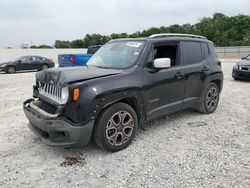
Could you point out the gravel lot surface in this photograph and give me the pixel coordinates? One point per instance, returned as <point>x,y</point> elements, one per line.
<point>184,149</point>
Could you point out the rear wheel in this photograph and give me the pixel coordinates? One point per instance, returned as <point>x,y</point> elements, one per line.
<point>210,99</point>
<point>45,66</point>
<point>116,127</point>
<point>11,69</point>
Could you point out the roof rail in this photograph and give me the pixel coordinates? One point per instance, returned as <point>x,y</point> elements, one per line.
<point>160,35</point>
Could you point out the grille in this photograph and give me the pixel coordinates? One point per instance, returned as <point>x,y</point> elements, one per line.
<point>53,92</point>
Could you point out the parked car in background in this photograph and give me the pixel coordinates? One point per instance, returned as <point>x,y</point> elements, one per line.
<point>126,83</point>
<point>27,63</point>
<point>241,71</point>
<point>67,60</point>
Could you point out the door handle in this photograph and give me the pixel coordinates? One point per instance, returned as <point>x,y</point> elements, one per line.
<point>179,75</point>
<point>204,69</point>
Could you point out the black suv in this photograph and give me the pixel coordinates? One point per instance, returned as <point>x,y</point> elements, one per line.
<point>127,82</point>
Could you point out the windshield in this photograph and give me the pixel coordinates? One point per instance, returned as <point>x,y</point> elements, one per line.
<point>20,58</point>
<point>117,55</point>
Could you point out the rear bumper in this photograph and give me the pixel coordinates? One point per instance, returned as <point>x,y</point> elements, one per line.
<point>239,74</point>
<point>55,130</point>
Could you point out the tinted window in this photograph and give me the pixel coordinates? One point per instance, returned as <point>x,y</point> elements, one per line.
<point>37,58</point>
<point>205,49</point>
<point>23,59</point>
<point>191,52</point>
<point>167,51</point>
<point>29,58</point>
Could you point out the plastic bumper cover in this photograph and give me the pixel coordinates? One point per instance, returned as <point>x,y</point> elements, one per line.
<point>240,74</point>
<point>55,130</point>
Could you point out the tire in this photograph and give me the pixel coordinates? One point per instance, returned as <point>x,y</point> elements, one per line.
<point>11,70</point>
<point>116,127</point>
<point>235,78</point>
<point>44,67</point>
<point>210,99</point>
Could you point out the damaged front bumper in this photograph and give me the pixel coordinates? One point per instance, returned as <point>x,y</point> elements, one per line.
<point>56,130</point>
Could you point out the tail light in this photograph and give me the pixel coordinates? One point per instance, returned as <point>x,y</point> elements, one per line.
<point>72,59</point>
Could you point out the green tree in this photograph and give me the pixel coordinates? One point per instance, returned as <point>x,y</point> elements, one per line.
<point>79,43</point>
<point>221,29</point>
<point>44,46</point>
<point>62,44</point>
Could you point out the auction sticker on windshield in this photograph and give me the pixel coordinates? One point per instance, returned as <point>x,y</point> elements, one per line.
<point>134,44</point>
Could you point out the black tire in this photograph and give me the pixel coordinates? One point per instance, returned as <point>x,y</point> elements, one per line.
<point>210,99</point>
<point>44,67</point>
<point>235,78</point>
<point>115,127</point>
<point>11,69</point>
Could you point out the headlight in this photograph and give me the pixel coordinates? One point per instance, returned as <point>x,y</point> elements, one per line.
<point>65,94</point>
<point>3,65</point>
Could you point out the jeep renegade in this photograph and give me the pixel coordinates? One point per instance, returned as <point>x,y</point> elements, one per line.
<point>126,83</point>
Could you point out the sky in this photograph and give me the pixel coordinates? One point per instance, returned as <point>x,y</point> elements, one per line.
<point>44,21</point>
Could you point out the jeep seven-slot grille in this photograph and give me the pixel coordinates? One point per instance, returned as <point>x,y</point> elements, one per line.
<point>51,91</point>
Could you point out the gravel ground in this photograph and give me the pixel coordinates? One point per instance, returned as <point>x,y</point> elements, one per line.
<point>184,149</point>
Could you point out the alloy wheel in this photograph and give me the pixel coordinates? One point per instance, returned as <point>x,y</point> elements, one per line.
<point>119,128</point>
<point>44,67</point>
<point>11,70</point>
<point>212,98</point>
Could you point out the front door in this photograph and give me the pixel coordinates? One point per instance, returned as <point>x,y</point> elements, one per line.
<point>164,87</point>
<point>23,63</point>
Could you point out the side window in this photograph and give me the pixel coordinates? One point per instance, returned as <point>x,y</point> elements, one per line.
<point>191,52</point>
<point>23,59</point>
<point>29,58</point>
<point>167,51</point>
<point>205,50</point>
<point>37,59</point>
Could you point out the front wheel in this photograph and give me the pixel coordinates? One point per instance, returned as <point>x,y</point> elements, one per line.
<point>235,78</point>
<point>116,127</point>
<point>11,70</point>
<point>210,99</point>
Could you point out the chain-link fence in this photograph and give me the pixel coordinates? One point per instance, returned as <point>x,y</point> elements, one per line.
<point>232,52</point>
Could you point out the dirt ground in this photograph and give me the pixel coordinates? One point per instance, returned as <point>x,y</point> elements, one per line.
<point>184,149</point>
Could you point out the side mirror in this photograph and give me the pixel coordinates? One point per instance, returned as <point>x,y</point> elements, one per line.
<point>162,63</point>
<point>19,61</point>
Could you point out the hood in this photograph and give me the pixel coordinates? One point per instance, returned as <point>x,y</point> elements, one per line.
<point>61,76</point>
<point>9,62</point>
<point>244,62</point>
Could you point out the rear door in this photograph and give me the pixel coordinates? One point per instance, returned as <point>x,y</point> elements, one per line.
<point>164,88</point>
<point>36,62</point>
<point>195,55</point>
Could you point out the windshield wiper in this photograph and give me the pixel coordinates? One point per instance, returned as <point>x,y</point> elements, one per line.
<point>101,67</point>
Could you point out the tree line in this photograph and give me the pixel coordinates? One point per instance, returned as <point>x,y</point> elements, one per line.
<point>221,29</point>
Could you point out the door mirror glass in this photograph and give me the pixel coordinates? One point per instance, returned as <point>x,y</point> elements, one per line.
<point>162,63</point>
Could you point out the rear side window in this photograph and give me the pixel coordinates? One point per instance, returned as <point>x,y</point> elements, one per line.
<point>205,50</point>
<point>191,52</point>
